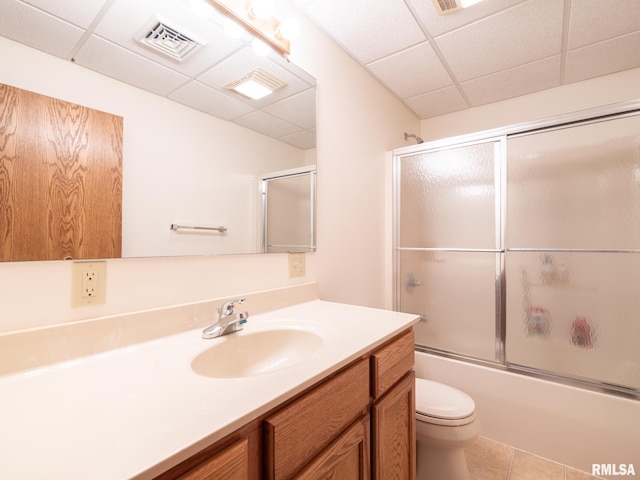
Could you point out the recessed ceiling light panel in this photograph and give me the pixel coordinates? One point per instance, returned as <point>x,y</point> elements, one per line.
<point>256,84</point>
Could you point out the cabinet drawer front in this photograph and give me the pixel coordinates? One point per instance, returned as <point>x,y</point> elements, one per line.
<point>230,464</point>
<point>390,363</point>
<point>302,429</point>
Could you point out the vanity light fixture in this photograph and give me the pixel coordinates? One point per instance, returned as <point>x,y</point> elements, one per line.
<point>257,18</point>
<point>256,84</point>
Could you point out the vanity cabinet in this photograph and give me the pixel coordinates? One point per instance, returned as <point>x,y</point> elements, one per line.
<point>300,431</point>
<point>357,424</point>
<point>393,435</point>
<point>236,457</point>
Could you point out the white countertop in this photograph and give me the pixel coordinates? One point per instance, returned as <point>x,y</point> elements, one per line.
<point>134,412</point>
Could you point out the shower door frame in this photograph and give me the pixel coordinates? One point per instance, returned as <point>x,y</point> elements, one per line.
<point>593,115</point>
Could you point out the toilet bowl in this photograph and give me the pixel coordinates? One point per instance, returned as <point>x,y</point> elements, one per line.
<point>446,423</point>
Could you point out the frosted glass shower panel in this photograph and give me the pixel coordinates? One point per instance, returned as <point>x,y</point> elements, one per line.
<point>581,320</point>
<point>289,213</point>
<point>455,293</point>
<point>575,188</point>
<point>455,183</point>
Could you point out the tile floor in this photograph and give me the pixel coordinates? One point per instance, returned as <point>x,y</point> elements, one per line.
<point>490,460</point>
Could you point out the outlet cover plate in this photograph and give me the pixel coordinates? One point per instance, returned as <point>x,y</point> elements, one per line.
<point>79,283</point>
<point>296,265</point>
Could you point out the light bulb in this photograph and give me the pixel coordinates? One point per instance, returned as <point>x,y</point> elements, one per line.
<point>262,8</point>
<point>260,48</point>
<point>289,28</point>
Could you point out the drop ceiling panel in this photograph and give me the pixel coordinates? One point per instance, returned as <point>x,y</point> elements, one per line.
<point>199,96</point>
<point>521,80</point>
<point>369,30</point>
<point>267,124</point>
<point>126,19</point>
<point>83,17</point>
<point>522,34</point>
<point>438,24</point>
<point>615,55</point>
<point>304,140</point>
<point>411,72</point>
<point>38,29</point>
<point>117,62</point>
<point>438,102</point>
<point>298,109</point>
<point>597,20</point>
<point>242,63</point>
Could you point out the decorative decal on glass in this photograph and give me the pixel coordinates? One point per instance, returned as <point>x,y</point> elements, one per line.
<point>538,322</point>
<point>582,333</point>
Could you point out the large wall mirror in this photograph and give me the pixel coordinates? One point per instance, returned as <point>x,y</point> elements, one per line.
<point>193,150</point>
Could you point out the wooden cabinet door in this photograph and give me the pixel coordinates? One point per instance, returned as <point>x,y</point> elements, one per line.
<point>60,179</point>
<point>347,458</point>
<point>393,434</point>
<point>297,433</point>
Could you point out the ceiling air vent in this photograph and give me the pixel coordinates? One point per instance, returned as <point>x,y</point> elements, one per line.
<point>168,40</point>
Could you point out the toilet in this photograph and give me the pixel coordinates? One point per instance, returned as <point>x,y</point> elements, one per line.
<point>446,423</point>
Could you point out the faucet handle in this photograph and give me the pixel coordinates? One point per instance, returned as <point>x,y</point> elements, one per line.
<point>227,307</point>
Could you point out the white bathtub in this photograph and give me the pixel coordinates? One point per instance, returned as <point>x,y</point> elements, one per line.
<point>568,425</point>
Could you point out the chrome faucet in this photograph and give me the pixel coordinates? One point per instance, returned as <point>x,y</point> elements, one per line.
<point>228,320</point>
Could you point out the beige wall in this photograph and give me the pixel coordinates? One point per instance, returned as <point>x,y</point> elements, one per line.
<point>357,122</point>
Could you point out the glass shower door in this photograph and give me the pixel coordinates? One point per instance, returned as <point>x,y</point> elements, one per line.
<point>449,271</point>
<point>573,256</point>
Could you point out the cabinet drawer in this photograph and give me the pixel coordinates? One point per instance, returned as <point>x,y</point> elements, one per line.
<point>301,430</point>
<point>230,464</point>
<point>391,361</point>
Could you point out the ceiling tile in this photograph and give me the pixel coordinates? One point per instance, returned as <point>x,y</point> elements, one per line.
<point>205,99</point>
<point>436,103</point>
<point>69,11</point>
<point>242,63</point>
<point>369,30</point>
<point>514,82</point>
<point>267,124</point>
<point>411,72</point>
<point>597,20</point>
<point>117,62</point>
<point>438,24</point>
<point>615,55</point>
<point>304,139</point>
<point>37,29</point>
<point>522,34</point>
<point>299,110</point>
<point>126,20</point>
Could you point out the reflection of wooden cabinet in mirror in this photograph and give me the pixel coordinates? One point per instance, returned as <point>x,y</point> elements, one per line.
<point>60,179</point>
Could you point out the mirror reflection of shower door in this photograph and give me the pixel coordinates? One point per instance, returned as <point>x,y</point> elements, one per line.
<point>288,211</point>
<point>448,246</point>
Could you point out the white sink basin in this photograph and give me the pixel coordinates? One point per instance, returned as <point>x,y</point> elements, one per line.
<point>247,354</point>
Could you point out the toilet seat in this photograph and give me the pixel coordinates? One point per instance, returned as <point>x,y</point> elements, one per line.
<point>441,404</point>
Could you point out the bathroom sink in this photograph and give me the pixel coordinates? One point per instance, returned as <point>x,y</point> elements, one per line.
<point>247,354</point>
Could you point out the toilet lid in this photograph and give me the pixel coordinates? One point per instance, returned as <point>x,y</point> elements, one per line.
<point>437,400</point>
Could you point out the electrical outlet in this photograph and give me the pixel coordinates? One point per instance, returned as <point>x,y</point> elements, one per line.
<point>296,264</point>
<point>89,283</point>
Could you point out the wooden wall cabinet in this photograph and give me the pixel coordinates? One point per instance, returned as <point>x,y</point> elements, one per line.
<point>60,179</point>
<point>358,424</point>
